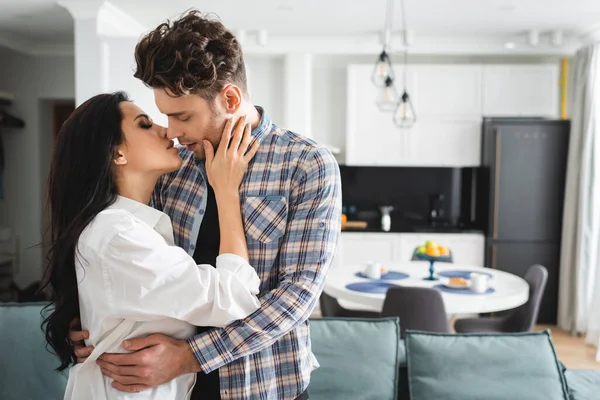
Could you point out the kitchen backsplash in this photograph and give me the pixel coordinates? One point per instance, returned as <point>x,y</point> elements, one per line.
<point>408,189</point>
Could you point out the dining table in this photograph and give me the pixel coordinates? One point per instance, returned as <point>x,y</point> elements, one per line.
<point>350,285</point>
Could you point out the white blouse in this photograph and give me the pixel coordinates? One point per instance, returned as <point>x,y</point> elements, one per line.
<point>133,281</point>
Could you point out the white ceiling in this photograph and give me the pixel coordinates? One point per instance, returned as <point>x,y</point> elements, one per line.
<point>43,21</point>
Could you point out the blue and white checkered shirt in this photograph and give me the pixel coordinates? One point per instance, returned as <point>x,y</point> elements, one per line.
<point>291,205</point>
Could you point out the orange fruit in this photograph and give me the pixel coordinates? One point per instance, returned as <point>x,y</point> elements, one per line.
<point>444,251</point>
<point>344,219</point>
<point>433,252</point>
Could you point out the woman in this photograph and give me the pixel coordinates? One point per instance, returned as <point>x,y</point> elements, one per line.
<point>113,261</point>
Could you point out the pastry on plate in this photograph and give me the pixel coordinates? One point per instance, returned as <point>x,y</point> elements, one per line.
<point>457,281</point>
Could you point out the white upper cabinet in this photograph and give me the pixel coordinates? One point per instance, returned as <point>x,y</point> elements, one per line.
<point>450,102</point>
<point>447,91</point>
<point>371,136</point>
<point>521,90</point>
<point>433,143</point>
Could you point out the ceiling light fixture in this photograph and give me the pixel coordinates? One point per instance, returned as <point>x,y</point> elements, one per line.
<point>510,45</point>
<point>404,115</point>
<point>387,98</point>
<point>383,66</point>
<point>261,37</point>
<point>533,37</point>
<point>556,38</point>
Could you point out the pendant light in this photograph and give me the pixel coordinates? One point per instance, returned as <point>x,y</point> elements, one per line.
<point>387,98</point>
<point>404,115</point>
<point>383,66</point>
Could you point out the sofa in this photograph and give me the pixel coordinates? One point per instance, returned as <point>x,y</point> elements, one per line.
<point>359,359</point>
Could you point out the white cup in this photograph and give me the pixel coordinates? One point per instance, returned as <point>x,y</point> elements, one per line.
<point>373,271</point>
<point>479,282</point>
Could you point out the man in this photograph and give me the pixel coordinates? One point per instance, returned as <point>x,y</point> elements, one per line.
<point>292,211</point>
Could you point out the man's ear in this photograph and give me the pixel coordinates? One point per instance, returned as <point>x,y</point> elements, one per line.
<point>120,158</point>
<point>233,98</point>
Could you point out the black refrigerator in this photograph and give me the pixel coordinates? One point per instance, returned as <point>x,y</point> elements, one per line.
<point>520,198</point>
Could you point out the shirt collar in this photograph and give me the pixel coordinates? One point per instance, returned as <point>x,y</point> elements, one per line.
<point>264,125</point>
<point>146,214</point>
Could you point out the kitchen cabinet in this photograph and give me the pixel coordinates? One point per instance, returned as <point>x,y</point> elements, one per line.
<point>448,128</point>
<point>447,92</point>
<point>450,102</point>
<point>433,143</point>
<point>361,248</point>
<point>521,90</point>
<point>396,248</point>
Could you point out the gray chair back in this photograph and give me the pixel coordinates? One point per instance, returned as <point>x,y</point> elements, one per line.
<point>330,306</point>
<point>523,318</point>
<point>418,308</point>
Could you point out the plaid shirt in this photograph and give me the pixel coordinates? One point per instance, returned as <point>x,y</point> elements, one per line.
<point>291,206</point>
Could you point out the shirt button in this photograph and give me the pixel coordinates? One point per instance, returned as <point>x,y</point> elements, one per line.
<point>322,224</point>
<point>201,212</point>
<point>193,247</point>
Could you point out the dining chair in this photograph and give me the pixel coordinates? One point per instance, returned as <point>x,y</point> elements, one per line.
<point>521,319</point>
<point>419,308</point>
<point>330,307</point>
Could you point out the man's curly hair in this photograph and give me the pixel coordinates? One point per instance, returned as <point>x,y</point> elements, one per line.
<point>191,55</point>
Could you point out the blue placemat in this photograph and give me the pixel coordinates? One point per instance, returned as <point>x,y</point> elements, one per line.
<point>460,274</point>
<point>447,289</point>
<point>370,287</point>
<point>388,276</point>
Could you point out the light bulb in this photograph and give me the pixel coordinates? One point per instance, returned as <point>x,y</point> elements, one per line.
<point>383,70</point>
<point>404,116</point>
<point>387,97</point>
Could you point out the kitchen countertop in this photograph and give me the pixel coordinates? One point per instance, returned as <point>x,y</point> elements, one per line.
<point>418,229</point>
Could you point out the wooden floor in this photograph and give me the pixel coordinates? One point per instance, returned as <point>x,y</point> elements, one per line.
<point>572,351</point>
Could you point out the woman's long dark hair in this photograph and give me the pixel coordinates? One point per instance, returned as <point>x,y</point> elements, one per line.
<point>80,185</point>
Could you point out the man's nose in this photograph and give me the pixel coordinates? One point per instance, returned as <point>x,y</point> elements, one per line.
<point>171,134</point>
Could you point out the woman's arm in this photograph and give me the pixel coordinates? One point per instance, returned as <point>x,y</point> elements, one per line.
<point>225,171</point>
<point>147,279</point>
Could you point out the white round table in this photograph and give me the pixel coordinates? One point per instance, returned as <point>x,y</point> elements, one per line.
<point>511,291</point>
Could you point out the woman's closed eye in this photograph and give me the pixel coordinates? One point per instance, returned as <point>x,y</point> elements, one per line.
<point>145,124</point>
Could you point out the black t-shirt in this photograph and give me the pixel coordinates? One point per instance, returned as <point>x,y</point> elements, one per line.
<point>206,252</point>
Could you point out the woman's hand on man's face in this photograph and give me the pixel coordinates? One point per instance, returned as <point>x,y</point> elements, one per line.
<point>226,167</point>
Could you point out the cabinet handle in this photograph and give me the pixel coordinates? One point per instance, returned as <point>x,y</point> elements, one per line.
<point>496,181</point>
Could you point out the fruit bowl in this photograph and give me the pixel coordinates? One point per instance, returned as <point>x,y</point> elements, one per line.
<point>433,253</point>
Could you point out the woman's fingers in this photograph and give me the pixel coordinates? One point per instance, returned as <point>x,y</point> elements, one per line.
<point>252,152</point>
<point>209,152</point>
<point>245,141</point>
<point>238,134</point>
<point>225,137</point>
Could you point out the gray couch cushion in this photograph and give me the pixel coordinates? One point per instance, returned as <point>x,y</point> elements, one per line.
<point>583,384</point>
<point>358,358</point>
<point>483,366</point>
<point>27,369</point>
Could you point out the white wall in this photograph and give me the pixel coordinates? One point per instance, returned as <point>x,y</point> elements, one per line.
<point>265,83</point>
<point>265,79</point>
<point>34,81</point>
<point>121,67</point>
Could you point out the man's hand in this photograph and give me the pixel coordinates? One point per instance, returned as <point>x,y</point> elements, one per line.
<point>156,359</point>
<point>77,338</point>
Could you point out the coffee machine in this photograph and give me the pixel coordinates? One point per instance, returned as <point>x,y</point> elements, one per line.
<point>436,215</point>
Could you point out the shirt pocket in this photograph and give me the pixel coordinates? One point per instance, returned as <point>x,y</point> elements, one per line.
<point>265,217</point>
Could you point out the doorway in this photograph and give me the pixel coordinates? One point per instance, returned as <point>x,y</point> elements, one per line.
<point>53,115</point>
